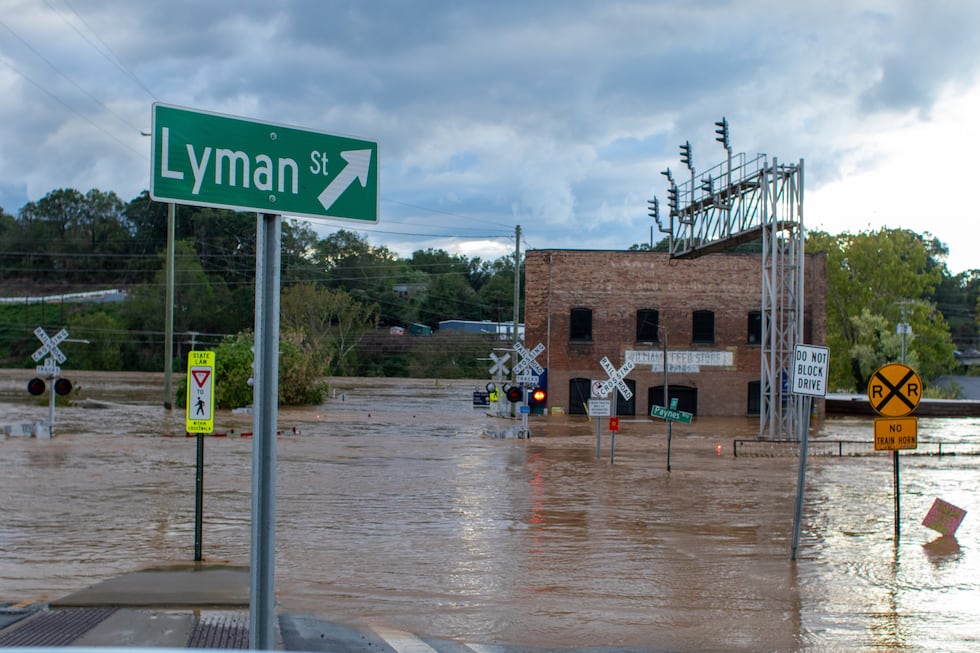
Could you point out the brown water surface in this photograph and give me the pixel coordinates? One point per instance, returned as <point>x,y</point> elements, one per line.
<point>395,507</point>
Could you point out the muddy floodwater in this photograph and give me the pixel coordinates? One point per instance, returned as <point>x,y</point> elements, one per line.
<point>396,506</point>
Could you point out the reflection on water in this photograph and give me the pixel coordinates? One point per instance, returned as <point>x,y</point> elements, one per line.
<point>392,508</point>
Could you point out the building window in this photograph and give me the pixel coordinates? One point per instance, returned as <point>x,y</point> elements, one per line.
<point>755,397</point>
<point>580,325</point>
<point>703,327</point>
<point>755,327</point>
<point>647,321</point>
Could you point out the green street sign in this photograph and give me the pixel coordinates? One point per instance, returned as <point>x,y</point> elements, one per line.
<point>209,159</point>
<point>672,415</point>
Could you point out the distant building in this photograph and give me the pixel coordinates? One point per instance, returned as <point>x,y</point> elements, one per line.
<point>707,312</point>
<point>504,330</point>
<point>408,289</point>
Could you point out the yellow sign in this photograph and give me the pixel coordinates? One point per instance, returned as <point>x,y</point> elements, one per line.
<point>894,390</point>
<point>200,392</point>
<point>894,433</point>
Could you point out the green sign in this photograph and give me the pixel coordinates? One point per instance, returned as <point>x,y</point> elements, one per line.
<point>672,415</point>
<point>208,159</point>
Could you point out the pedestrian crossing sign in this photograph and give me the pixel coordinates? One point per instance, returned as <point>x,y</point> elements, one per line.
<point>200,392</point>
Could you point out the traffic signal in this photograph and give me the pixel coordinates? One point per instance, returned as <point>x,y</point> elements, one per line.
<point>654,211</point>
<point>706,185</point>
<point>672,200</point>
<point>514,394</point>
<point>62,386</point>
<point>539,395</point>
<point>722,132</point>
<point>35,386</point>
<point>686,153</point>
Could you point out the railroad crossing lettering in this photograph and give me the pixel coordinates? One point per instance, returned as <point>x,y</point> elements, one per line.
<point>616,378</point>
<point>894,390</point>
<point>527,358</point>
<point>50,345</point>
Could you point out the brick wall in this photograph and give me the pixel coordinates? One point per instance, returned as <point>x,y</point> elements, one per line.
<point>615,284</point>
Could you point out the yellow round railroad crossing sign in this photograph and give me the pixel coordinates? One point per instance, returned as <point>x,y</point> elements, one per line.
<point>894,390</point>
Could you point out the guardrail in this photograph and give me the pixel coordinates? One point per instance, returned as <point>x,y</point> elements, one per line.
<point>776,448</point>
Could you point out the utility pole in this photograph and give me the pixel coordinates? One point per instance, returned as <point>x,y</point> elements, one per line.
<point>517,301</point>
<point>168,338</point>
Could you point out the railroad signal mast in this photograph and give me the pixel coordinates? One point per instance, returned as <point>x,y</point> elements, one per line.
<point>741,199</point>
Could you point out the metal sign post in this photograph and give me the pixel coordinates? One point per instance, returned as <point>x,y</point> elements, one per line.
<point>615,381</point>
<point>50,367</point>
<point>200,420</point>
<point>811,369</point>
<point>894,391</point>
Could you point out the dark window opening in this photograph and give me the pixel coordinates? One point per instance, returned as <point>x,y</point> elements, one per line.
<point>647,323</point>
<point>580,325</point>
<point>703,327</point>
<point>755,397</point>
<point>755,327</point>
<point>579,391</point>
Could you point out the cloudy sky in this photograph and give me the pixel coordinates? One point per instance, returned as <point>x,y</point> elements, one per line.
<point>556,116</point>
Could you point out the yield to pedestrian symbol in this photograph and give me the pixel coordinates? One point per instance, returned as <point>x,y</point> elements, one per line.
<point>200,392</point>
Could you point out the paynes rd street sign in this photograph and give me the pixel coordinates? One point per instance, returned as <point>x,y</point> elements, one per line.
<point>671,415</point>
<point>210,159</point>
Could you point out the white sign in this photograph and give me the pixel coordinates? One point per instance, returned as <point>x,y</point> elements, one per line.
<point>498,364</point>
<point>50,345</point>
<point>811,368</point>
<point>595,388</point>
<point>527,358</point>
<point>528,379</point>
<point>616,378</point>
<point>49,368</point>
<point>599,408</point>
<point>682,360</point>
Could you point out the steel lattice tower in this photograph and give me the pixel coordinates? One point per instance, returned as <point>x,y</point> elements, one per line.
<point>740,200</point>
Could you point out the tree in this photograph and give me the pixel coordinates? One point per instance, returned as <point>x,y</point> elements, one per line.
<point>104,334</point>
<point>890,274</point>
<point>329,323</point>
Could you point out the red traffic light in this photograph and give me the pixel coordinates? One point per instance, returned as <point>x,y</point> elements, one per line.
<point>62,386</point>
<point>514,394</point>
<point>539,395</point>
<point>35,386</point>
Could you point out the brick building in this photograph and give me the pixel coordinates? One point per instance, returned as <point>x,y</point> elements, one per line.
<point>583,305</point>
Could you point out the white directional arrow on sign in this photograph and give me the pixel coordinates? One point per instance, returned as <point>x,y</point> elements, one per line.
<point>527,358</point>
<point>616,378</point>
<point>358,165</point>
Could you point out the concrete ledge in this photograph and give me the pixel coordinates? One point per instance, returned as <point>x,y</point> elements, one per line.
<point>180,586</point>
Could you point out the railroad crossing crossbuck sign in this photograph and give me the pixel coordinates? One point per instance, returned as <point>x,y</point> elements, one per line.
<point>894,390</point>
<point>616,378</point>
<point>527,360</point>
<point>49,346</point>
<point>499,366</point>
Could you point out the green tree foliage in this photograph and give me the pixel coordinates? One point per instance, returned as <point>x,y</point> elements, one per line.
<point>299,378</point>
<point>104,333</point>
<point>329,323</point>
<point>875,278</point>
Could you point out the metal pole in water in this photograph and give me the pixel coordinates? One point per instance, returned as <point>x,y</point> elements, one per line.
<point>898,500</point>
<point>801,480</point>
<point>265,408</point>
<point>199,500</point>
